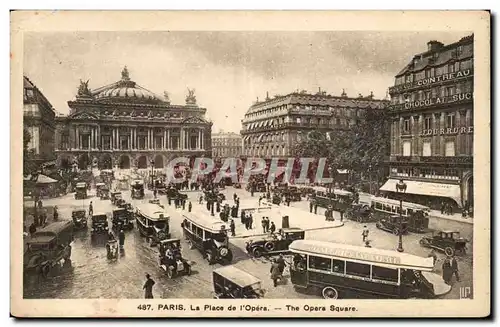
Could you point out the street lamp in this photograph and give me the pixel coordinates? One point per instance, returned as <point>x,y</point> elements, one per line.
<point>152,172</point>
<point>400,190</point>
<point>330,169</point>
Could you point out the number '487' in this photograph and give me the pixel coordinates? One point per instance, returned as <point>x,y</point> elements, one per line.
<point>144,307</point>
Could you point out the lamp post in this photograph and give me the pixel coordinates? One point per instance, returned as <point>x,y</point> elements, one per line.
<point>400,190</point>
<point>330,169</point>
<point>370,177</point>
<point>152,172</point>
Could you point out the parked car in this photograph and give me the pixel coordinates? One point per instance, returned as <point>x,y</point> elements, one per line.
<point>99,225</point>
<point>392,224</point>
<point>448,242</point>
<point>115,196</point>
<point>275,243</point>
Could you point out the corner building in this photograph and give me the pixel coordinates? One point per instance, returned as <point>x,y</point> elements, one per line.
<point>432,125</point>
<point>226,145</point>
<point>124,125</point>
<point>39,121</point>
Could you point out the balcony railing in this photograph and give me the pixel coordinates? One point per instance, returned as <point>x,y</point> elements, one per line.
<point>292,125</point>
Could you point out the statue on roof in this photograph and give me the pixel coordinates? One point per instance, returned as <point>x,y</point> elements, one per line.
<point>167,98</point>
<point>191,98</point>
<point>125,74</point>
<point>344,94</point>
<point>83,89</point>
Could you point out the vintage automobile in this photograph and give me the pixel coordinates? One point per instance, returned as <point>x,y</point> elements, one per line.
<point>237,185</point>
<point>122,219</point>
<point>173,193</point>
<point>448,242</point>
<point>80,191</point>
<point>276,243</point>
<point>99,225</point>
<point>79,217</point>
<point>112,249</point>
<point>48,247</point>
<point>137,189</point>
<point>393,224</point>
<point>416,215</point>
<point>157,202</point>
<point>208,235</point>
<point>276,199</point>
<point>153,222</point>
<point>233,283</point>
<point>171,260</point>
<point>103,191</point>
<point>360,212</point>
<point>115,196</point>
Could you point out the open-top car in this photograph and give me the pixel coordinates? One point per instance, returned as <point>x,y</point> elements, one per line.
<point>361,213</point>
<point>275,243</point>
<point>102,191</point>
<point>233,283</point>
<point>115,196</point>
<point>123,219</point>
<point>81,190</point>
<point>99,224</point>
<point>79,217</point>
<point>393,224</point>
<point>171,260</point>
<point>449,242</point>
<point>137,189</point>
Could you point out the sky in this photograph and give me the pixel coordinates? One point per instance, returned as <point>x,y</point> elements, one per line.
<point>228,70</point>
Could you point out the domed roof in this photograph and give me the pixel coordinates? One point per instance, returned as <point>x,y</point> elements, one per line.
<point>125,90</point>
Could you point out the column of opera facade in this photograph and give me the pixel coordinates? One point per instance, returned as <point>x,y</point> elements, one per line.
<point>123,125</point>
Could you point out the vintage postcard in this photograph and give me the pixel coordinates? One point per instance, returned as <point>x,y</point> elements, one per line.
<point>250,164</point>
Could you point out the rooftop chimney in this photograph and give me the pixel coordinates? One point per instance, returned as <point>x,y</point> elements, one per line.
<point>344,95</point>
<point>267,96</point>
<point>434,45</point>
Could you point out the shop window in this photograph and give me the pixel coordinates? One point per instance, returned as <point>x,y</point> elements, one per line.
<point>357,269</point>
<point>406,148</point>
<point>450,149</point>
<point>320,263</point>
<point>426,149</point>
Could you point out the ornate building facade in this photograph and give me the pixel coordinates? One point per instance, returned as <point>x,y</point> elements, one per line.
<point>123,125</point>
<point>39,121</point>
<point>272,127</point>
<point>225,145</point>
<point>433,124</point>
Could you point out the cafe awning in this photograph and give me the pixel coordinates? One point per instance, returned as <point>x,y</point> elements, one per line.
<point>444,190</point>
<point>42,179</point>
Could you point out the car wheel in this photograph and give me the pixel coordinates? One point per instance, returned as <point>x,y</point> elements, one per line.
<point>330,293</point>
<point>424,242</point>
<point>359,220</point>
<point>190,245</point>
<point>449,251</point>
<point>395,231</point>
<point>257,252</point>
<point>269,246</point>
<point>378,225</point>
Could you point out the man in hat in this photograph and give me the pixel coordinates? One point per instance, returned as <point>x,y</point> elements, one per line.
<point>148,287</point>
<point>275,272</point>
<point>365,233</point>
<point>232,226</point>
<point>281,264</point>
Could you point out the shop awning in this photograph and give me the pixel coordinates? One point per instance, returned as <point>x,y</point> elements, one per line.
<point>42,179</point>
<point>444,190</point>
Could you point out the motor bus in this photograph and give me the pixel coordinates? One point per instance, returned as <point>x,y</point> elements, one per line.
<point>340,270</point>
<point>416,215</point>
<point>152,222</point>
<point>340,200</point>
<point>208,235</point>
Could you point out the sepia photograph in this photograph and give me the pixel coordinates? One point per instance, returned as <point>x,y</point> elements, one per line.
<point>201,171</point>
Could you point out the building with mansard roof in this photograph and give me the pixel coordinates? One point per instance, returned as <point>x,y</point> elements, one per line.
<point>124,125</point>
<point>39,121</point>
<point>432,125</point>
<point>272,127</point>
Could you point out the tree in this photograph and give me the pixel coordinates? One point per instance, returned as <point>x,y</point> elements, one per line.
<point>28,154</point>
